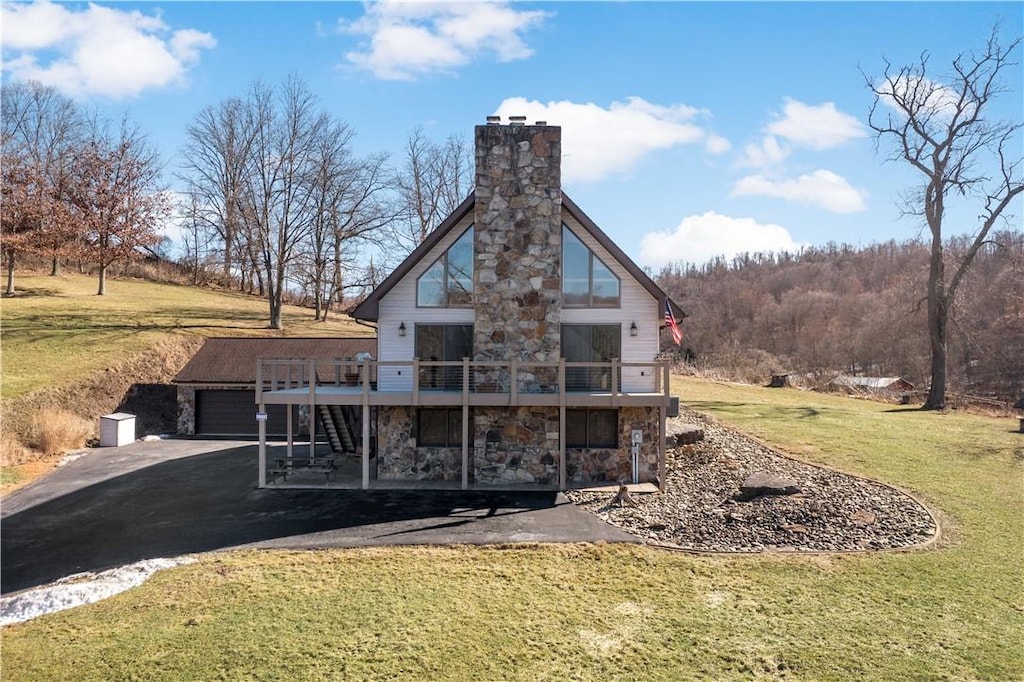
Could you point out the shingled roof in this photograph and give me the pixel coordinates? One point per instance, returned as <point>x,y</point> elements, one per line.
<point>233,360</point>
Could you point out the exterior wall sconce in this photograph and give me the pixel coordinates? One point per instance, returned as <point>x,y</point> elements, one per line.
<point>633,330</point>
<point>401,329</point>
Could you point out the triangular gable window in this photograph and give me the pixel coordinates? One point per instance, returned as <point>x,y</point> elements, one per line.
<point>448,282</point>
<point>586,281</point>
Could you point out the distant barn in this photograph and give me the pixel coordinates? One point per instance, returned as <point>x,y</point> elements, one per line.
<point>851,384</point>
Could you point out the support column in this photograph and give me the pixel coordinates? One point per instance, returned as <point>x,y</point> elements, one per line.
<point>263,447</point>
<point>465,423</point>
<point>366,424</point>
<point>561,424</point>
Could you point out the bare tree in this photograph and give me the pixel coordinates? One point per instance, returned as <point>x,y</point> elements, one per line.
<point>116,196</point>
<point>943,130</point>
<point>215,155</point>
<point>41,129</point>
<point>435,179</point>
<point>275,198</point>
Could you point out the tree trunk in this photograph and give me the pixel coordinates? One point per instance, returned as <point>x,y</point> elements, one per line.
<point>103,280</point>
<point>9,291</point>
<point>938,319</point>
<point>55,266</point>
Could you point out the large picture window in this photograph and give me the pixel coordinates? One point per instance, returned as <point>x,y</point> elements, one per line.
<point>444,343</point>
<point>586,281</point>
<point>448,283</point>
<point>591,428</point>
<point>590,343</point>
<point>439,428</point>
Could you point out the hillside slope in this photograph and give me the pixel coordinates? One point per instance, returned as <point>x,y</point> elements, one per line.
<point>64,347</point>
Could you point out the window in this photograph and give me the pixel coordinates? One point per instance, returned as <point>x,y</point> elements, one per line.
<point>586,281</point>
<point>443,343</point>
<point>591,428</point>
<point>590,343</point>
<point>448,283</point>
<point>439,428</point>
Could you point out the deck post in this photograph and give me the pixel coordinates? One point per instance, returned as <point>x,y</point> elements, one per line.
<point>465,423</point>
<point>615,382</point>
<point>561,423</point>
<point>312,409</point>
<point>415,382</point>
<point>513,386</point>
<point>366,423</point>
<point>263,443</point>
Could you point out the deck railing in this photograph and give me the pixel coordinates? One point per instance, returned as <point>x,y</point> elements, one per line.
<point>469,376</point>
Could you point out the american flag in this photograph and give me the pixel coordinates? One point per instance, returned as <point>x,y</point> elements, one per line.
<point>670,320</point>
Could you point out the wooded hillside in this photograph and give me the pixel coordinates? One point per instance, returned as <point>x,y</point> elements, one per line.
<point>840,308</point>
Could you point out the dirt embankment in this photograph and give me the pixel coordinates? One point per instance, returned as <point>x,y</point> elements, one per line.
<point>139,385</point>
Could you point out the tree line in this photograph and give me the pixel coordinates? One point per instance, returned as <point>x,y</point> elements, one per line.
<point>841,309</point>
<point>274,200</point>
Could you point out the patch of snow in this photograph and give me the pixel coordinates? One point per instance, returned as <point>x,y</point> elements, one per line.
<point>71,457</point>
<point>81,588</point>
<point>152,438</point>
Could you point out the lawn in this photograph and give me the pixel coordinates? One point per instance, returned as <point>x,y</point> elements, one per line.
<point>58,329</point>
<point>608,612</point>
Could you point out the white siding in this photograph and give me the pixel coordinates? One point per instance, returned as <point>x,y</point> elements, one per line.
<point>399,306</point>
<point>636,305</point>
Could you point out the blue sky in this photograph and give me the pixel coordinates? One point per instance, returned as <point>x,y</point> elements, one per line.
<point>689,129</point>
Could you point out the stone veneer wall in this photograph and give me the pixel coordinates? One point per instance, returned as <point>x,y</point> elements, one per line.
<point>398,457</point>
<point>601,465</point>
<point>186,411</point>
<point>515,445</point>
<point>518,243</point>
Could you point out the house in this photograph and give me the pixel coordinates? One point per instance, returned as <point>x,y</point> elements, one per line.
<point>215,388</point>
<point>516,346</point>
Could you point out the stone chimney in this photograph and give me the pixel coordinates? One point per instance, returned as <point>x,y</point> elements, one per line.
<point>518,238</point>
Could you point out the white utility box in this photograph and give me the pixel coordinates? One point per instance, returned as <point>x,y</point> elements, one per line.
<point>117,429</point>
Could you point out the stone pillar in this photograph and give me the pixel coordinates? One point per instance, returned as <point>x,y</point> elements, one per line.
<point>517,244</point>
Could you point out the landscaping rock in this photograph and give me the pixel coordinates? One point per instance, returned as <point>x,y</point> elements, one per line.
<point>761,483</point>
<point>833,512</point>
<point>677,433</point>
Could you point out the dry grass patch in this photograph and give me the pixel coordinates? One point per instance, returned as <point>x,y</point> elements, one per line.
<point>55,431</point>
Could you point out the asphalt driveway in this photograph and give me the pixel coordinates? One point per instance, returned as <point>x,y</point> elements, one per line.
<point>115,506</point>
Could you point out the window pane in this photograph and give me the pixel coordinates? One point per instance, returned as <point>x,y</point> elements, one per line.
<point>430,348</point>
<point>603,428</point>
<point>430,286</point>
<point>460,270</point>
<point>606,342</point>
<point>606,286</point>
<point>575,428</point>
<point>458,344</point>
<point>455,427</point>
<point>575,270</point>
<point>432,427</point>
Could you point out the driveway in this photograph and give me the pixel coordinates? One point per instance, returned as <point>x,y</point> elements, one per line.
<point>115,506</point>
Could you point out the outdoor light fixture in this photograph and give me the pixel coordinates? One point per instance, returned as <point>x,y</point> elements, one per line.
<point>401,329</point>
<point>633,330</point>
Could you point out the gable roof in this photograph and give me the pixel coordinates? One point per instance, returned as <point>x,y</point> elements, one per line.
<point>233,360</point>
<point>369,309</point>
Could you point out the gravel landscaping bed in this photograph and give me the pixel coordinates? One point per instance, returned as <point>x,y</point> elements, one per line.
<point>699,509</point>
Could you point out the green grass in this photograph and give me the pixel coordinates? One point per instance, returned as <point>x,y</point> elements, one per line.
<point>57,329</point>
<point>607,612</point>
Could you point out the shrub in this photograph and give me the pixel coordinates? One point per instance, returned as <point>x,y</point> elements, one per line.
<point>55,431</point>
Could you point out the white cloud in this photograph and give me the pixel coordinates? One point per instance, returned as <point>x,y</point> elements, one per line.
<point>768,154</point>
<point>406,40</point>
<point>815,127</point>
<point>599,141</point>
<point>699,238</point>
<point>716,144</point>
<point>821,188</point>
<point>98,50</point>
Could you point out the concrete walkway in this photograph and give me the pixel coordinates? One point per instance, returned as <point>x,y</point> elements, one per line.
<point>115,506</point>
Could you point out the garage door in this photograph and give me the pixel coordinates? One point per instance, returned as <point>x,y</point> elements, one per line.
<point>233,413</point>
